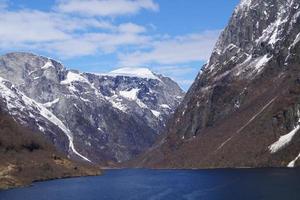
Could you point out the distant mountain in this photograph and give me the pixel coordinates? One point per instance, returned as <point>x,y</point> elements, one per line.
<point>100,118</point>
<point>243,108</point>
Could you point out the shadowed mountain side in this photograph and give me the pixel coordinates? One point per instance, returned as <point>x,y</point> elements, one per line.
<point>26,156</point>
<point>243,109</point>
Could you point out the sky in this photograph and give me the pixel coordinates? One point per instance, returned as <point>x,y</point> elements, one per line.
<point>170,37</point>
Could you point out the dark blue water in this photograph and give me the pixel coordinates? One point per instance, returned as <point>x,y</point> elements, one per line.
<point>134,184</point>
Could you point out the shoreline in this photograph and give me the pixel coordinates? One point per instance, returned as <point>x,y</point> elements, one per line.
<point>25,185</point>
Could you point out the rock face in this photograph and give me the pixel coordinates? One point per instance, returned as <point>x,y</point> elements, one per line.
<point>102,118</point>
<point>243,108</point>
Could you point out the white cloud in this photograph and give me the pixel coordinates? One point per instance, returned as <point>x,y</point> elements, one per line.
<point>131,28</point>
<point>105,7</point>
<point>37,26</point>
<point>71,48</point>
<point>65,35</point>
<point>118,39</point>
<point>182,49</point>
<point>93,43</point>
<point>68,35</point>
<point>29,26</point>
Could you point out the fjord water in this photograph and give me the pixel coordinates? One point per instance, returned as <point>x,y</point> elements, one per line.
<point>142,184</point>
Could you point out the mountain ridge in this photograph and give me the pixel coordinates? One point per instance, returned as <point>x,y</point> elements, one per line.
<point>98,115</point>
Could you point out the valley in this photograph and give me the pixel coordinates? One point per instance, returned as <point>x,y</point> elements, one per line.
<point>241,111</point>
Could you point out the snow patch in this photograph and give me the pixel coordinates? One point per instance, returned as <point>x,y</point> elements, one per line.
<point>246,62</point>
<point>297,39</point>
<point>52,118</point>
<point>271,33</point>
<point>245,3</point>
<point>283,141</point>
<point>48,64</point>
<point>133,72</point>
<point>116,102</point>
<point>293,162</point>
<point>165,106</point>
<point>41,128</point>
<point>141,104</point>
<point>155,113</point>
<point>85,100</point>
<point>131,94</point>
<point>73,77</point>
<point>51,103</point>
<point>262,61</point>
<point>119,106</point>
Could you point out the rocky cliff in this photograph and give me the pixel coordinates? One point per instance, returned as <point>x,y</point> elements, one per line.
<point>243,108</point>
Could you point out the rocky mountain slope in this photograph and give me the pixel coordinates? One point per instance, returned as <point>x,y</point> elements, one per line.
<point>26,156</point>
<point>243,108</point>
<point>99,118</point>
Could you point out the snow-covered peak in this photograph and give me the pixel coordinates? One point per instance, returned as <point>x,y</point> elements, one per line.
<point>133,72</point>
<point>245,3</point>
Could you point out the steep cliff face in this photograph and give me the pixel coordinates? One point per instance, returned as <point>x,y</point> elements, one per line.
<point>243,108</point>
<point>102,118</point>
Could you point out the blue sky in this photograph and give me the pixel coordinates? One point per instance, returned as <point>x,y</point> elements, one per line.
<point>173,38</point>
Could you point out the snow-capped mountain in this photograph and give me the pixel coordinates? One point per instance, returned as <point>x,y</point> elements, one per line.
<point>102,118</point>
<point>243,108</point>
